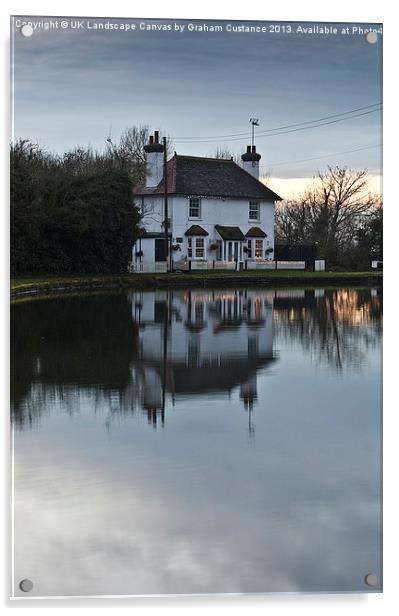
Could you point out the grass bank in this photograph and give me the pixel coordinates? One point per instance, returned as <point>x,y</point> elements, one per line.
<point>44,285</point>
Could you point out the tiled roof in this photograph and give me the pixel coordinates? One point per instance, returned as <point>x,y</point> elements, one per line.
<point>230,233</point>
<point>196,230</point>
<point>209,177</point>
<point>255,232</point>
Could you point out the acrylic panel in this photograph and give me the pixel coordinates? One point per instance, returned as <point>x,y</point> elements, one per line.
<point>196,307</point>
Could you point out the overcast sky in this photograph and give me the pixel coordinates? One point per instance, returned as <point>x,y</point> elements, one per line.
<point>75,87</point>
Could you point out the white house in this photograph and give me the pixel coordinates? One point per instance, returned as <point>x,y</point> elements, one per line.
<point>219,213</point>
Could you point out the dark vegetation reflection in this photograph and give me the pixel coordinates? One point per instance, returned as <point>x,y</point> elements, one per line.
<point>138,350</point>
<point>62,345</point>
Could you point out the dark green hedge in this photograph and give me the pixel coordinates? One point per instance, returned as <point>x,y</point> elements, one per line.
<point>68,222</point>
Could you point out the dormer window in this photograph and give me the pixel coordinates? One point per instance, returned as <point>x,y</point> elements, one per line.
<point>253,213</point>
<point>194,208</point>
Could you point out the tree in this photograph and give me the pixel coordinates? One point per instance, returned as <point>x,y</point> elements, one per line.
<point>225,154</point>
<point>129,154</point>
<point>30,167</point>
<point>69,215</point>
<point>74,213</point>
<point>369,236</point>
<point>329,213</point>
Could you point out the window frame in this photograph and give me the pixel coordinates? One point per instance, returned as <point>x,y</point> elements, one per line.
<point>199,248</point>
<point>196,243</point>
<point>199,206</point>
<point>253,203</point>
<point>219,250</point>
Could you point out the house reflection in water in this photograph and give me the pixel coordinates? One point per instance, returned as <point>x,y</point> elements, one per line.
<point>144,350</point>
<point>194,342</point>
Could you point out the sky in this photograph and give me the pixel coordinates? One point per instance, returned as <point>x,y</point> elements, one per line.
<point>77,86</point>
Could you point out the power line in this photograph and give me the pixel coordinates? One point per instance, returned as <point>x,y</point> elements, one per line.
<point>302,160</point>
<point>281,132</point>
<point>295,130</point>
<point>268,130</point>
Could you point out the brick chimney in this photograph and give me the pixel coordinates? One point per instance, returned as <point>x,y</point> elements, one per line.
<point>154,161</point>
<point>250,161</point>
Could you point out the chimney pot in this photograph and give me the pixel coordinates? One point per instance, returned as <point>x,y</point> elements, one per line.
<point>156,136</point>
<point>248,149</point>
<point>151,139</point>
<point>254,149</point>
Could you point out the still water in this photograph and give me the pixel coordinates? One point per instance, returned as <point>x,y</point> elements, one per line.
<point>197,441</point>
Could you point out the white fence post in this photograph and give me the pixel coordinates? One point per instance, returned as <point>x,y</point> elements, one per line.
<point>319,265</point>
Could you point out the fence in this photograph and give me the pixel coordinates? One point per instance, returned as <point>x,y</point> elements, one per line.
<point>271,265</point>
<point>149,267</point>
<point>243,265</point>
<point>162,266</point>
<point>289,265</point>
<point>185,266</point>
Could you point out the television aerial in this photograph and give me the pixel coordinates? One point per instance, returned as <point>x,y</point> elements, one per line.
<point>254,122</point>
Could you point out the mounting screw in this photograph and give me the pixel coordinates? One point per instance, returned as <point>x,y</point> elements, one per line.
<point>372,37</point>
<point>26,30</point>
<point>26,585</point>
<point>371,579</point>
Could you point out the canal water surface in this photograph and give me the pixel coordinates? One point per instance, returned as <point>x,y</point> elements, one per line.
<point>197,441</point>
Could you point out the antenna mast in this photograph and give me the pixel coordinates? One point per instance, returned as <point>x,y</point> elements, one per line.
<point>254,122</point>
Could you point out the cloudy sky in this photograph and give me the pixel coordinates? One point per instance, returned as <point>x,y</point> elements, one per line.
<point>78,86</point>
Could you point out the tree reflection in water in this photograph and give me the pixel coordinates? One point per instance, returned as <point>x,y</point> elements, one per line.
<point>336,326</point>
<point>62,347</point>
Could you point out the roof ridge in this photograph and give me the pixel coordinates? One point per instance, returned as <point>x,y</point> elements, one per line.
<point>223,160</point>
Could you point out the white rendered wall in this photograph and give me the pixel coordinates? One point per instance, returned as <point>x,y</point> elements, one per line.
<point>147,246</point>
<point>152,213</point>
<point>225,212</point>
<point>154,169</point>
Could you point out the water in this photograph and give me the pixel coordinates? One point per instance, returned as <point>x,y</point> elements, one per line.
<point>197,441</point>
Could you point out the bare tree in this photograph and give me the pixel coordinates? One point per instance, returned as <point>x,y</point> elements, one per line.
<point>226,154</point>
<point>129,152</point>
<point>329,212</point>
